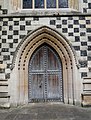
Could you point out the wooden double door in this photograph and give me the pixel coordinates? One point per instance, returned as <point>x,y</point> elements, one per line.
<point>45,76</point>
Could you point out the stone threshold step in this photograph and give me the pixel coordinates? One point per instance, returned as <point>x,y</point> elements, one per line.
<point>3,80</point>
<point>4,105</point>
<point>3,84</point>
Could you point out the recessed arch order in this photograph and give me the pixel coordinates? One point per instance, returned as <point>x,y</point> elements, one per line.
<point>26,49</point>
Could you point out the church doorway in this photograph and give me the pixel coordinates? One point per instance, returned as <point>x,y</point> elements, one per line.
<point>45,69</point>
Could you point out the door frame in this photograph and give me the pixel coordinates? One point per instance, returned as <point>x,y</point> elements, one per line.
<point>71,78</point>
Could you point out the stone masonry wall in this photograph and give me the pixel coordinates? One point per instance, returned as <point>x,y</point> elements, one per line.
<point>77,29</point>
<point>86,6</point>
<point>83,6</point>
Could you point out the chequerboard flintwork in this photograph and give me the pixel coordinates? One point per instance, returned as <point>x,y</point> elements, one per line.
<point>66,33</point>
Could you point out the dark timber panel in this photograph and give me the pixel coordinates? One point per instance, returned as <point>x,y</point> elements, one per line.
<point>45,76</point>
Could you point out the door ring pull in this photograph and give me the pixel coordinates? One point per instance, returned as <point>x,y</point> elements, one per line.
<point>40,85</point>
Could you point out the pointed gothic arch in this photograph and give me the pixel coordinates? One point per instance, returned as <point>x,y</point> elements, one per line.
<point>26,49</point>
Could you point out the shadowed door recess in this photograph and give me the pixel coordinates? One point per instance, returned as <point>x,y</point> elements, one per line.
<point>45,76</point>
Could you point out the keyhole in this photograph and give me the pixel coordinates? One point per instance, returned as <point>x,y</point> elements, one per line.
<point>40,86</point>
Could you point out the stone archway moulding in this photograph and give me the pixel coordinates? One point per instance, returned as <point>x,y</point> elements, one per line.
<point>24,51</point>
